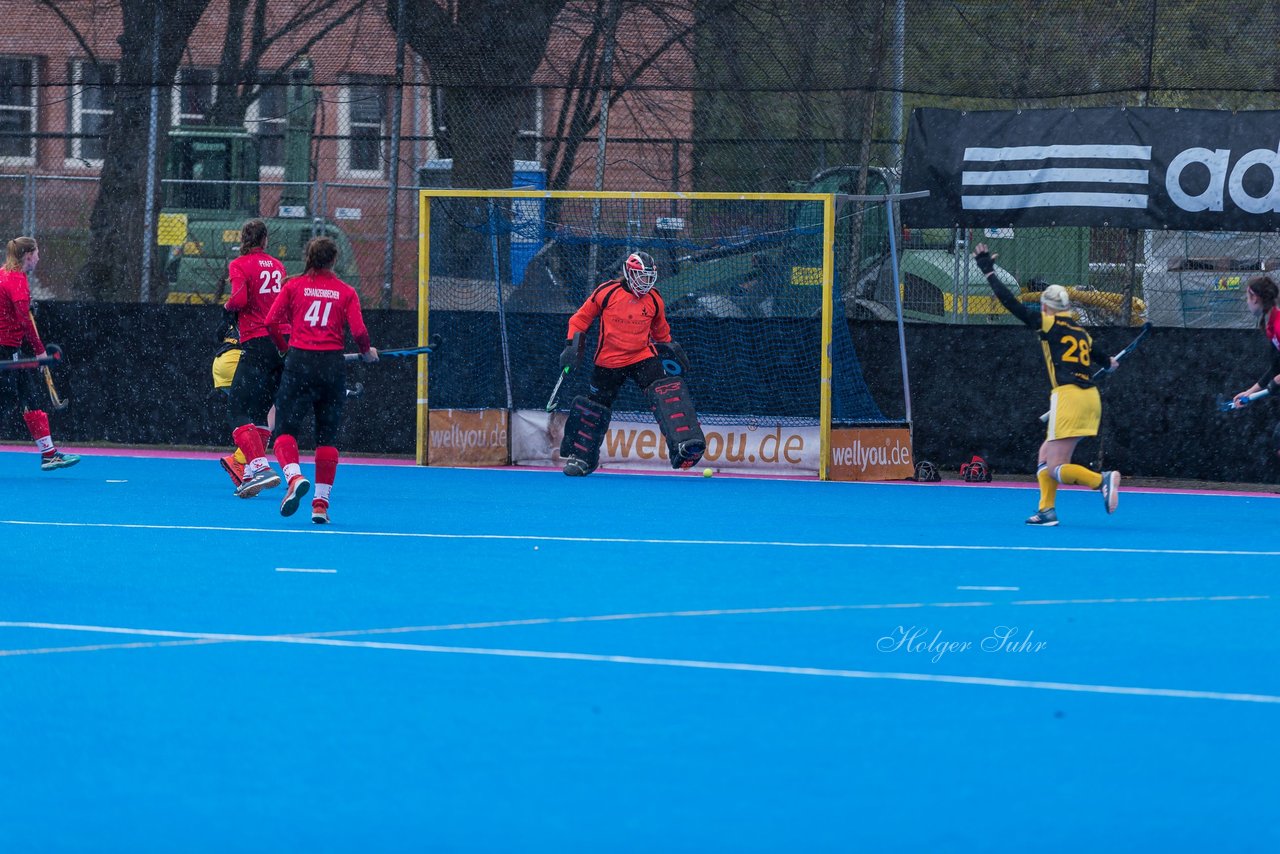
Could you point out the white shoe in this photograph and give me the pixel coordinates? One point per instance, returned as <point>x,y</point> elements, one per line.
<point>1111,490</point>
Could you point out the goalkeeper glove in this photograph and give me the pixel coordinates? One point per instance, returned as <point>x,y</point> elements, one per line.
<point>673,351</point>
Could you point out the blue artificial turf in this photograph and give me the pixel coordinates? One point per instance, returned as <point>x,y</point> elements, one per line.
<point>549,690</point>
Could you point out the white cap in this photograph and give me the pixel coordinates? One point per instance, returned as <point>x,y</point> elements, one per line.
<point>1055,298</point>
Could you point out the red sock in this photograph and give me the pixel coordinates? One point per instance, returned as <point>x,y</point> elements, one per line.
<point>287,450</point>
<point>249,442</point>
<point>264,433</point>
<point>326,467</point>
<point>38,426</point>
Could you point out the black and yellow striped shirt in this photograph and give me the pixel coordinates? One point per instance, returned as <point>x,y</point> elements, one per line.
<point>1067,347</point>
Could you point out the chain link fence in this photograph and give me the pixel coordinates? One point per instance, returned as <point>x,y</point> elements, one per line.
<point>637,95</point>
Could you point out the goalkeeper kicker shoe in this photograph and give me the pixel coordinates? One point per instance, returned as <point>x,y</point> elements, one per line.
<point>1111,490</point>
<point>58,460</point>
<point>578,467</point>
<point>1044,518</point>
<point>298,486</point>
<point>688,454</point>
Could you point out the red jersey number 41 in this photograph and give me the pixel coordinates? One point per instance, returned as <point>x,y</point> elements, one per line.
<point>315,316</point>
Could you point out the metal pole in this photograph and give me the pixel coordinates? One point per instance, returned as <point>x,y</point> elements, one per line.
<point>897,295</point>
<point>502,313</point>
<point>153,136</point>
<point>29,206</point>
<point>1132,286</point>
<point>389,261</point>
<point>897,78</point>
<point>418,115</point>
<point>606,79</point>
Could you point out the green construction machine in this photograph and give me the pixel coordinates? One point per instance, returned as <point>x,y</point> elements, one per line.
<point>211,187</point>
<point>939,281</point>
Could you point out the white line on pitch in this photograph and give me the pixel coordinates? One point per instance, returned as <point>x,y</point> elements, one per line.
<point>972,587</point>
<point>985,681</point>
<point>302,569</point>
<point>541,538</point>
<point>212,637</point>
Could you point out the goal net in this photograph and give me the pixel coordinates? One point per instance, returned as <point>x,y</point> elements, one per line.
<point>752,285</point>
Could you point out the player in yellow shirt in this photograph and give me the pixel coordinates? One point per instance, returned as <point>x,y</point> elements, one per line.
<point>1075,407</point>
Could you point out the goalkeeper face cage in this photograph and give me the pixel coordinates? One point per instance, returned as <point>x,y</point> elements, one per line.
<point>641,273</point>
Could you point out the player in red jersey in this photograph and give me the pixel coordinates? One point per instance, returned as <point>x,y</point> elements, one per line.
<point>319,307</point>
<point>17,327</point>
<point>256,279</point>
<point>1261,294</point>
<point>634,339</point>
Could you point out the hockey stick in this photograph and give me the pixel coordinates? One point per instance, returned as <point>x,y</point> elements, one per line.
<point>1102,431</point>
<point>53,356</point>
<point>574,348</point>
<point>56,400</point>
<point>1229,404</point>
<point>555,392</point>
<point>1129,348</point>
<point>407,352</point>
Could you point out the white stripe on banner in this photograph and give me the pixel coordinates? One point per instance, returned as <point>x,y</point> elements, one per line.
<point>1054,200</point>
<point>1044,176</point>
<point>1042,152</point>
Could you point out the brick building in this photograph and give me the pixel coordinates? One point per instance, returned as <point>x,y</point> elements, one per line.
<point>56,65</point>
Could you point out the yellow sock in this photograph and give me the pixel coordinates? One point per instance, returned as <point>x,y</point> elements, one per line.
<point>240,457</point>
<point>1048,488</point>
<point>1072,473</point>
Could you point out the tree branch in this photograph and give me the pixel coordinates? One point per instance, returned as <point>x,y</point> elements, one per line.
<point>52,6</point>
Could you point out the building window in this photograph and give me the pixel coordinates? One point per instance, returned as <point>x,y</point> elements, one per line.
<point>363,108</point>
<point>17,111</point>
<point>193,96</point>
<point>89,108</point>
<point>529,131</point>
<point>528,143</point>
<point>266,119</point>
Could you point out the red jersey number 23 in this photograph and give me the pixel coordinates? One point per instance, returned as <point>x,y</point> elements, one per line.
<point>317,316</point>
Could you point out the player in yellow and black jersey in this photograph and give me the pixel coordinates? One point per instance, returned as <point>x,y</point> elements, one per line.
<point>1075,407</point>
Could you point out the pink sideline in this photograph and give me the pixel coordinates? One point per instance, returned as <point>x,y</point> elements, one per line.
<point>160,453</point>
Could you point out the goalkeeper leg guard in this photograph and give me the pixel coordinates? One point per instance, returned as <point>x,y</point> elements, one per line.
<point>584,432</point>
<point>673,408</point>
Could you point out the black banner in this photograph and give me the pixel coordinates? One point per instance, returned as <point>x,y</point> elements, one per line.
<point>1184,170</point>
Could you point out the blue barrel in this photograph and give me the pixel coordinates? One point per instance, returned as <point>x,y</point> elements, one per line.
<point>529,216</point>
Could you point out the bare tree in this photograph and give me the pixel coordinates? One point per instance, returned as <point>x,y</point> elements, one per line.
<point>117,224</point>
<point>240,73</point>
<point>483,55</point>
<point>593,27</point>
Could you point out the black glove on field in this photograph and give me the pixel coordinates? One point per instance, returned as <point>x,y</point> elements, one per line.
<point>985,263</point>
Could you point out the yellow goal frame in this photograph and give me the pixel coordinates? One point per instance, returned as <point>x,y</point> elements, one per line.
<point>827,200</point>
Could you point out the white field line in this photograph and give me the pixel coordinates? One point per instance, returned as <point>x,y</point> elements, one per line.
<point>213,637</point>
<point>538,538</point>
<point>741,667</point>
<point>975,587</point>
<point>303,569</point>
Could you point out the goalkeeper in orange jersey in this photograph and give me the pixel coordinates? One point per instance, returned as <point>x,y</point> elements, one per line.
<point>635,340</point>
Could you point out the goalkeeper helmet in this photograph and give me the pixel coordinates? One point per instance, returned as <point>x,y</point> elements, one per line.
<point>640,272</point>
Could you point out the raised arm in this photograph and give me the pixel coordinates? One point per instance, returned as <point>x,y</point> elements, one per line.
<point>987,264</point>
